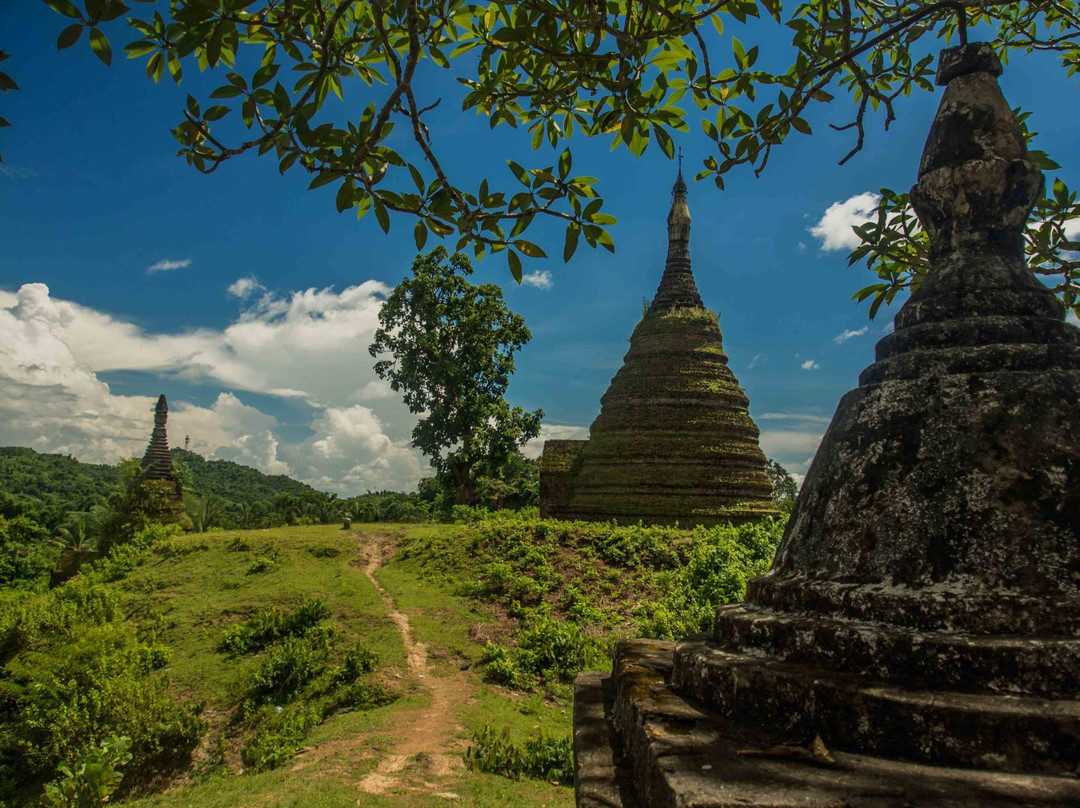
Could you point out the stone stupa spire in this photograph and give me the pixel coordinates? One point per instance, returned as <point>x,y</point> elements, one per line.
<point>677,288</point>
<point>674,441</point>
<point>157,462</point>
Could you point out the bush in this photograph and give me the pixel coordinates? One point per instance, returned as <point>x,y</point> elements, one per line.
<point>542,758</point>
<point>288,667</point>
<point>76,674</point>
<point>260,564</point>
<point>278,737</point>
<point>92,780</point>
<point>270,625</point>
<point>25,555</point>
<point>547,649</point>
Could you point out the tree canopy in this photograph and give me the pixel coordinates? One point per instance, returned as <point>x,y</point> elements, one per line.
<point>451,346</point>
<point>639,71</point>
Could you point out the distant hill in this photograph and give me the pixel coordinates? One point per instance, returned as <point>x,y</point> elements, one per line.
<point>46,487</point>
<point>235,483</point>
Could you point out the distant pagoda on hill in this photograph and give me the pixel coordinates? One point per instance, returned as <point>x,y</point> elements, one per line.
<point>157,462</point>
<point>674,441</point>
<point>161,490</point>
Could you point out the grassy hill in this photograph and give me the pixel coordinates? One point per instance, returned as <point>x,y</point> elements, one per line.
<point>320,667</point>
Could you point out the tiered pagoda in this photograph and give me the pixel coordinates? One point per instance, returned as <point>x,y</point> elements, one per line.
<point>161,490</point>
<point>157,462</point>
<point>674,441</point>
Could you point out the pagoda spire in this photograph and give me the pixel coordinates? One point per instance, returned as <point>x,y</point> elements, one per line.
<point>157,462</point>
<point>677,288</point>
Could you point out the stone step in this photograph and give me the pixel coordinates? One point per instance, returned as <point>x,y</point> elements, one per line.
<point>598,780</point>
<point>1016,665</point>
<point>1003,733</point>
<point>681,754</point>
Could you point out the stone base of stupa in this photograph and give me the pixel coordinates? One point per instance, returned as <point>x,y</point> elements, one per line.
<point>638,743</point>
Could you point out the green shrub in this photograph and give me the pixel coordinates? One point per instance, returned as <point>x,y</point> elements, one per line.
<point>92,780</point>
<point>358,660</point>
<point>541,758</point>
<point>260,564</point>
<point>75,675</point>
<point>366,695</point>
<point>278,736</point>
<point>270,625</point>
<point>547,649</point>
<point>289,666</point>
<point>25,555</point>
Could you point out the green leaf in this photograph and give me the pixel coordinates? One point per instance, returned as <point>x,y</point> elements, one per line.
<point>382,216</point>
<point>100,45</point>
<point>529,249</point>
<point>344,195</point>
<point>226,91</point>
<point>515,264</point>
<point>519,172</point>
<point>420,235</point>
<point>69,36</point>
<point>573,232</point>
<point>801,126</point>
<point>565,162</point>
<point>65,7</point>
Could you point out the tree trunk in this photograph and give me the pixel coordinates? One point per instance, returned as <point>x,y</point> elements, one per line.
<point>464,487</point>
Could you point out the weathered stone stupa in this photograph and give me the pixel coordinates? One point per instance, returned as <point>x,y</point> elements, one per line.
<point>161,492</point>
<point>922,617</point>
<point>674,441</point>
<point>157,462</point>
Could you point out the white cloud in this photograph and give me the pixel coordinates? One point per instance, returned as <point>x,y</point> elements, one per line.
<point>835,226</point>
<point>541,279</point>
<point>245,287</point>
<point>1072,318</point>
<point>757,360</point>
<point>535,447</point>
<point>791,439</point>
<point>810,364</point>
<point>166,265</point>
<point>311,345</point>
<point>1072,230</point>
<point>839,339</point>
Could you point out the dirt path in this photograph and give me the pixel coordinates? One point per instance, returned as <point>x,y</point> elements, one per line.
<point>425,736</point>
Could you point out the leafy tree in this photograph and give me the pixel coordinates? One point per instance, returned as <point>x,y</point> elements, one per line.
<point>25,556</point>
<point>630,69</point>
<point>451,346</point>
<point>784,488</point>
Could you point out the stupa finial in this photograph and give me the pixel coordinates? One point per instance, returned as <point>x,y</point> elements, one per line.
<point>679,188</point>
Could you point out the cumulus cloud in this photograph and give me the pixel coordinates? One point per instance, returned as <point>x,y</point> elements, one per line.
<point>541,279</point>
<point>834,229</point>
<point>310,346</point>
<point>167,265</point>
<point>791,439</point>
<point>245,287</point>
<point>839,339</point>
<point>810,364</point>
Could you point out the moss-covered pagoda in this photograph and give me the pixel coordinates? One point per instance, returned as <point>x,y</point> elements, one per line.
<point>674,441</point>
<point>161,493</point>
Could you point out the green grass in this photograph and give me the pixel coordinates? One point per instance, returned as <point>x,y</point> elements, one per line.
<point>189,592</point>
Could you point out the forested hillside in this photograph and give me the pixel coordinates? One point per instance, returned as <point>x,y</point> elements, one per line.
<point>233,482</point>
<point>45,487</point>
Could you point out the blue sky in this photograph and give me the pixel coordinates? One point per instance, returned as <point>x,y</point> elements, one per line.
<point>275,372</point>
